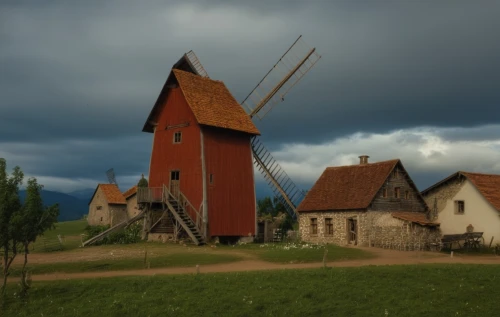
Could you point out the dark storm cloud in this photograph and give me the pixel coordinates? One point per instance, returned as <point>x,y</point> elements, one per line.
<point>91,71</point>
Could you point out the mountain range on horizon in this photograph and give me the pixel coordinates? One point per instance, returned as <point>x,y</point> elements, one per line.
<point>74,205</point>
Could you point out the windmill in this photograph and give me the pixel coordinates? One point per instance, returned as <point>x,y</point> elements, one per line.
<point>271,90</point>
<point>111,177</point>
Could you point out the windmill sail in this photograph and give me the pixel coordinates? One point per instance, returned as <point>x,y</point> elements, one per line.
<point>111,176</point>
<point>287,72</point>
<point>276,177</point>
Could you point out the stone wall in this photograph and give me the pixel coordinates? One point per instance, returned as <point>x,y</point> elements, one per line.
<point>118,213</point>
<point>98,210</point>
<point>132,207</point>
<point>339,219</point>
<point>443,193</point>
<point>374,228</point>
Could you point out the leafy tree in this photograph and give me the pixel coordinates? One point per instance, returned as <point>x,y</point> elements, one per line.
<point>10,204</point>
<point>20,225</point>
<point>142,182</point>
<point>32,221</point>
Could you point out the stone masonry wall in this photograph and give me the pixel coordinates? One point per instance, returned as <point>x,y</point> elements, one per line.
<point>132,208</point>
<point>374,228</point>
<point>98,210</point>
<point>443,193</point>
<point>118,214</point>
<point>339,219</point>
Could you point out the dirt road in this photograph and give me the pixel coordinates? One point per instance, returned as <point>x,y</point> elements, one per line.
<point>383,257</point>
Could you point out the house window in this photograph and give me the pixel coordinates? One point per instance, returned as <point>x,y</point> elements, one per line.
<point>177,137</point>
<point>459,207</point>
<point>328,226</point>
<point>98,207</point>
<point>384,193</point>
<point>211,178</point>
<point>314,225</point>
<point>407,195</point>
<point>397,192</point>
<point>101,218</point>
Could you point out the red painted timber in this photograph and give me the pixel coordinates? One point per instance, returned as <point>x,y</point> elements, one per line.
<point>231,197</point>
<point>185,157</point>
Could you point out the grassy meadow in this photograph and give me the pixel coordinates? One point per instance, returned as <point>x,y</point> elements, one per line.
<point>412,290</point>
<point>70,232</point>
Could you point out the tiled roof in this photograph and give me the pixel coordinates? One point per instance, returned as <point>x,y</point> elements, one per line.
<point>213,104</point>
<point>488,185</point>
<point>347,187</point>
<point>112,193</point>
<point>131,191</point>
<point>416,217</point>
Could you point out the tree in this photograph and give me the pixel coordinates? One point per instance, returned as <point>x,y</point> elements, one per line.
<point>142,182</point>
<point>20,225</point>
<point>10,204</point>
<point>32,220</point>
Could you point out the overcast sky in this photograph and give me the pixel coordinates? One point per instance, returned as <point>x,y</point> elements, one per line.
<point>415,80</point>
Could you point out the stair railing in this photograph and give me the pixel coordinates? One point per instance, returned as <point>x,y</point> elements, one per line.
<point>187,207</point>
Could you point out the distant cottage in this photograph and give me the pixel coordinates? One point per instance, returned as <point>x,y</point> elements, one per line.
<point>107,206</point>
<point>464,199</point>
<point>366,204</point>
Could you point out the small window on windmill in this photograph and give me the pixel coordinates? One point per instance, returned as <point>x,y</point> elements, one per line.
<point>211,178</point>
<point>177,137</point>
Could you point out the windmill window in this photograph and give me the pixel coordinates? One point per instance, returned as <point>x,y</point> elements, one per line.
<point>397,192</point>
<point>314,225</point>
<point>328,226</point>
<point>211,178</point>
<point>174,175</point>
<point>177,137</point>
<point>459,207</point>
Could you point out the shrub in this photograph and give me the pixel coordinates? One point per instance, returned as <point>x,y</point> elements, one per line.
<point>132,234</point>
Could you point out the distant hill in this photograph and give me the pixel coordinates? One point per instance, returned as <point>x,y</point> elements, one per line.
<point>84,194</point>
<point>70,207</point>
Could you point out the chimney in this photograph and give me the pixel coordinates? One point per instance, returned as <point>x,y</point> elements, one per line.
<point>363,159</point>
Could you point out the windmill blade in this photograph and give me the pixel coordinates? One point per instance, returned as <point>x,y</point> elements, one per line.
<point>193,60</point>
<point>111,176</point>
<point>288,71</point>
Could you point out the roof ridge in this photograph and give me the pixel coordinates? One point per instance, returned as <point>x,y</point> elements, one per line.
<point>175,70</point>
<point>364,165</point>
<point>476,173</point>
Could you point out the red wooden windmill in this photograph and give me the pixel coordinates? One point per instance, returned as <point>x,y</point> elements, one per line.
<point>201,178</point>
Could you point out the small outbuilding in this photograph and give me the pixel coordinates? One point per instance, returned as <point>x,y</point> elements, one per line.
<point>374,204</point>
<point>467,200</point>
<point>107,206</point>
<point>131,197</point>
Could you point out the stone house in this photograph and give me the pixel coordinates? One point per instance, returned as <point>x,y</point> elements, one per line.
<point>367,204</point>
<point>107,206</point>
<point>464,199</point>
<point>131,197</point>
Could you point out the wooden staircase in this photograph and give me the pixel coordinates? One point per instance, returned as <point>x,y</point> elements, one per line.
<point>179,207</point>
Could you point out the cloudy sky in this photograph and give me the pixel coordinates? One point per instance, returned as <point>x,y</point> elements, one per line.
<point>415,80</point>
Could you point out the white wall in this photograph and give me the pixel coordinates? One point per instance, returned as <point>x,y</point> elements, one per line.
<point>478,212</point>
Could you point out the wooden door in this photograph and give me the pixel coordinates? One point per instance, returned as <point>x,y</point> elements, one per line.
<point>175,183</point>
<point>352,231</point>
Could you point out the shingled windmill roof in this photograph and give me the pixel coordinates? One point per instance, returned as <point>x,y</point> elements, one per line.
<point>210,100</point>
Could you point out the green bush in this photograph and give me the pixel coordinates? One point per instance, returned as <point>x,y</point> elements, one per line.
<point>132,234</point>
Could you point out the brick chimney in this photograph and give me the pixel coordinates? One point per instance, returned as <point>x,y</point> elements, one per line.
<point>363,159</point>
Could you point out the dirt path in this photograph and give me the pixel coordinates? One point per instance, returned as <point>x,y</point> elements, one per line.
<point>384,257</point>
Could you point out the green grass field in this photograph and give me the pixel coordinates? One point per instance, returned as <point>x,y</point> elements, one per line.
<point>423,290</point>
<point>171,260</point>
<point>70,232</point>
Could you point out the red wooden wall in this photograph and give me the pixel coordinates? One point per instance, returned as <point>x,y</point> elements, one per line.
<point>185,157</point>
<point>231,198</point>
